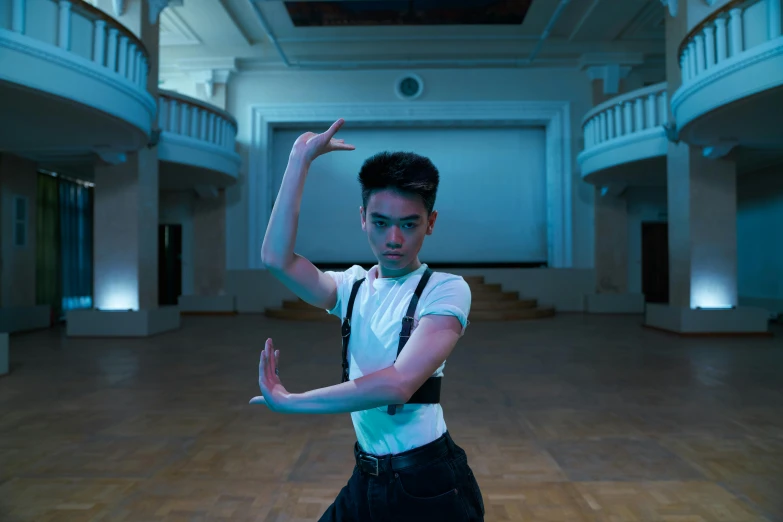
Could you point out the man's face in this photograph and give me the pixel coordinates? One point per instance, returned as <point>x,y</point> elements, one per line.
<point>396,222</point>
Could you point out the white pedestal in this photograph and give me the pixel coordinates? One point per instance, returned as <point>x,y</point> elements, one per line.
<point>3,353</point>
<point>221,304</point>
<point>741,320</point>
<point>614,303</point>
<point>25,318</point>
<point>121,323</point>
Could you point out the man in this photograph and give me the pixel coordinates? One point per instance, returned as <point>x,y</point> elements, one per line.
<point>407,466</point>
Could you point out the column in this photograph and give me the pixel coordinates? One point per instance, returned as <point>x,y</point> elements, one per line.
<point>702,208</point>
<point>209,222</point>
<point>126,233</point>
<point>209,245</point>
<point>611,243</point>
<point>611,240</point>
<point>702,202</point>
<point>126,209</point>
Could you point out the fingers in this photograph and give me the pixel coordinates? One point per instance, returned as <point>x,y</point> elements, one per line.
<point>269,359</point>
<point>266,367</point>
<point>257,400</point>
<point>334,128</point>
<point>340,145</point>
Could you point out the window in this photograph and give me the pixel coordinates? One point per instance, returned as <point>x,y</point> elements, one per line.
<point>20,221</point>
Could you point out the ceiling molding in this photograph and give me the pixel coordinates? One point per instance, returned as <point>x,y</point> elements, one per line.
<point>206,72</point>
<point>156,7</point>
<point>610,67</point>
<point>588,12</point>
<point>648,24</point>
<point>340,48</point>
<point>672,5</point>
<point>119,7</point>
<point>630,59</point>
<point>611,74</point>
<point>175,31</point>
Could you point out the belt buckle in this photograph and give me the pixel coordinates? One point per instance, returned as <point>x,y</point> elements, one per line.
<point>371,459</point>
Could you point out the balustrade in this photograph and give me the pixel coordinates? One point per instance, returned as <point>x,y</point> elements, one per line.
<point>83,30</point>
<point>730,31</point>
<point>626,115</point>
<point>185,116</point>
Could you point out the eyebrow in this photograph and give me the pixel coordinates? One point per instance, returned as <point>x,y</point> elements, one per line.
<point>406,218</point>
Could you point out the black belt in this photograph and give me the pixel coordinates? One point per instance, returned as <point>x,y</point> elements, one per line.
<point>375,465</point>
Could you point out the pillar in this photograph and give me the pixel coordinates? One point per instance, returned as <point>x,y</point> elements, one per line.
<point>126,233</point>
<point>702,208</point>
<point>611,233</point>
<point>206,252</point>
<point>126,222</point>
<point>611,243</point>
<point>209,248</point>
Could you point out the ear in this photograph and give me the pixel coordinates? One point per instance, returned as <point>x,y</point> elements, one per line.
<point>431,221</point>
<point>361,215</point>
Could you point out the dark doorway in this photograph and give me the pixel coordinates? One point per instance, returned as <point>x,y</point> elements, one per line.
<point>169,264</point>
<point>655,262</point>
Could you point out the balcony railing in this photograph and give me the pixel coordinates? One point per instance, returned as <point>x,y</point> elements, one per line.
<point>189,117</point>
<point>626,115</point>
<point>731,30</point>
<point>82,30</point>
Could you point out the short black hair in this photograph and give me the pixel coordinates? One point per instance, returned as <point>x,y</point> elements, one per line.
<point>401,171</point>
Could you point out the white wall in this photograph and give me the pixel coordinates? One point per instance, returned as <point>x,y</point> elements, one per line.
<point>760,238</point>
<point>18,177</point>
<point>644,204</point>
<point>176,208</point>
<point>308,87</point>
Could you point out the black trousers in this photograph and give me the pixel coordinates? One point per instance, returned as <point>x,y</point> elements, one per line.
<point>431,483</point>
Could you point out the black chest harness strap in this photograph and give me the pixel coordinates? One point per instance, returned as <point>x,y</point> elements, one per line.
<point>429,392</point>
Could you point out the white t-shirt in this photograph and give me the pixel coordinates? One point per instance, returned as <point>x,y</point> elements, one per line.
<point>376,321</point>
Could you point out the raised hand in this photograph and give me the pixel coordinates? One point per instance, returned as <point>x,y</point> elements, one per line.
<point>274,393</point>
<point>310,145</point>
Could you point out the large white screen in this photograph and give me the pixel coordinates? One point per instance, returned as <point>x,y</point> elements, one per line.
<point>491,201</point>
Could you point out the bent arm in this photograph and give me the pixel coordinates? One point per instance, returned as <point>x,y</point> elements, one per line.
<point>277,253</point>
<point>374,390</point>
<point>280,238</point>
<point>429,346</point>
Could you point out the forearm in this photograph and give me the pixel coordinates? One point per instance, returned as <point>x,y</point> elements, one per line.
<point>377,389</point>
<point>280,237</point>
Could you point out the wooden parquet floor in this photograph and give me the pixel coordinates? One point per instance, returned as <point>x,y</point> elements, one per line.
<point>573,418</point>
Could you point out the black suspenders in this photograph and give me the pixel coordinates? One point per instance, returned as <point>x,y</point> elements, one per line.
<point>429,392</point>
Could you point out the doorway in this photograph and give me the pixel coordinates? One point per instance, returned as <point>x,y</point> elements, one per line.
<point>169,264</point>
<point>655,262</point>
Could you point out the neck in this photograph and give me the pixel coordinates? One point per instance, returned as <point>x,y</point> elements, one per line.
<point>384,272</point>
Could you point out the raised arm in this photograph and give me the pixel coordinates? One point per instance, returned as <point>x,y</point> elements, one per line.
<point>277,252</point>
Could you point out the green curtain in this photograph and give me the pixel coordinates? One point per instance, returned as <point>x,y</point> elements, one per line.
<point>47,277</point>
<point>76,244</point>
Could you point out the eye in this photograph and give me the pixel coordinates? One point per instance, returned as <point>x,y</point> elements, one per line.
<point>378,223</point>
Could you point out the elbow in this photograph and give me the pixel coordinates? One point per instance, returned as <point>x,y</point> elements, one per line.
<point>404,392</point>
<point>268,261</point>
<point>402,396</point>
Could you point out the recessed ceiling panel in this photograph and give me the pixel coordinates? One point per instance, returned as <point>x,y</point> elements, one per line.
<point>408,12</point>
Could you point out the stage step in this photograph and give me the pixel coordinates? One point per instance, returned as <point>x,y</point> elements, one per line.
<point>489,303</point>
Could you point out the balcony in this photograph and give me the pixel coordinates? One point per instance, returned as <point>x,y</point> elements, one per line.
<point>73,80</point>
<point>732,79</point>
<point>625,140</point>
<point>197,144</point>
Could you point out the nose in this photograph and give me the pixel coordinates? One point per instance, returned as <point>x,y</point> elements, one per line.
<point>394,238</point>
